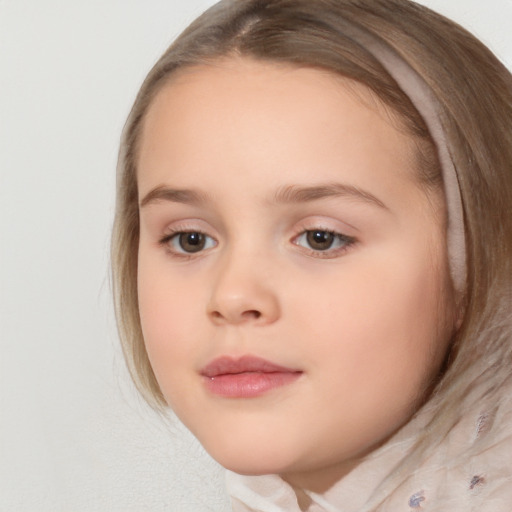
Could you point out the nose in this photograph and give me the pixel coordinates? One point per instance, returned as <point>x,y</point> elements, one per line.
<point>243,293</point>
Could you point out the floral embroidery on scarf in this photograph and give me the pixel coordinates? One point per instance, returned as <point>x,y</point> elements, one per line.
<point>482,424</point>
<point>476,480</point>
<point>416,499</point>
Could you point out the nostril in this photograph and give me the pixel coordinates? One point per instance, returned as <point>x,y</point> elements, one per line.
<point>252,313</point>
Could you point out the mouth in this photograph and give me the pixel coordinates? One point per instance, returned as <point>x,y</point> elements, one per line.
<point>245,377</point>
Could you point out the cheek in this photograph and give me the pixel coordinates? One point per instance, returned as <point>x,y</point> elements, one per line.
<point>381,334</point>
<point>167,317</point>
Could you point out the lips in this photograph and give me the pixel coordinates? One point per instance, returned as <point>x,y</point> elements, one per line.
<point>246,377</point>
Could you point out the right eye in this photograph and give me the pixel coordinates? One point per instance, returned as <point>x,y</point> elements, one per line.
<point>324,242</point>
<point>188,242</point>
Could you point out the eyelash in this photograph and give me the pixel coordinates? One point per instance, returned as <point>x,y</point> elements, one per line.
<point>168,238</point>
<point>345,241</point>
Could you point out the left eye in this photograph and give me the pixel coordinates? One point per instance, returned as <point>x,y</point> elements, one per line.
<point>190,242</point>
<point>322,240</point>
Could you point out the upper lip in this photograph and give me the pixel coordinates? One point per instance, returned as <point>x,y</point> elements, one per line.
<point>226,365</point>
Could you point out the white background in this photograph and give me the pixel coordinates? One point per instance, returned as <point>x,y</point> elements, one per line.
<point>73,434</point>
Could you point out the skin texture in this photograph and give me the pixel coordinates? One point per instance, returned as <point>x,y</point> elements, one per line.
<point>366,322</point>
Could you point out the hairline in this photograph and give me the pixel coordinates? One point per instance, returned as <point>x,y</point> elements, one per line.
<point>360,91</point>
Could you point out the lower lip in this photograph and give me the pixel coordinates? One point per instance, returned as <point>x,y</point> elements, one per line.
<point>249,384</point>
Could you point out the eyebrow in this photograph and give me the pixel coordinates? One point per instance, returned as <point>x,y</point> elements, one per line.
<point>300,194</point>
<point>161,193</point>
<point>287,194</point>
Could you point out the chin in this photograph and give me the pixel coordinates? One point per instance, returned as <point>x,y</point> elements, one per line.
<point>256,462</point>
<point>252,458</point>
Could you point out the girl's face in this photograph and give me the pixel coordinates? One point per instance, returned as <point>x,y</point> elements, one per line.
<point>293,285</point>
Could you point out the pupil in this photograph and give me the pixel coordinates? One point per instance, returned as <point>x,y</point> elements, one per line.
<point>192,242</point>
<point>320,240</point>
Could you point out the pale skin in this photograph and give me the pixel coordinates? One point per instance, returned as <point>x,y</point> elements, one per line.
<point>259,162</point>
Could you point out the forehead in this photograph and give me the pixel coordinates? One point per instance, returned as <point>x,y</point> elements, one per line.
<point>231,73</point>
<point>233,112</point>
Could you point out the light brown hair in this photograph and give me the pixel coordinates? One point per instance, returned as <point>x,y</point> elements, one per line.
<point>474,93</point>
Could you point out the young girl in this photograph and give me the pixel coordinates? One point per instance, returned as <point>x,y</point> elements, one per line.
<point>312,254</point>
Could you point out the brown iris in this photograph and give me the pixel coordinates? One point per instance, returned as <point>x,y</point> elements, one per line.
<point>320,240</point>
<point>192,241</point>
